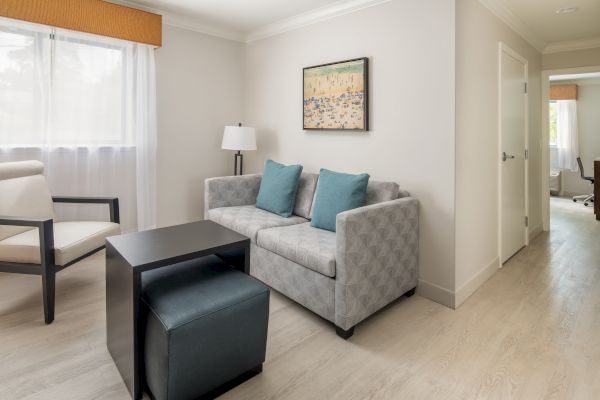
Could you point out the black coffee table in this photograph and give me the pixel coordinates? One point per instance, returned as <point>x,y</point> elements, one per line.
<point>129,255</point>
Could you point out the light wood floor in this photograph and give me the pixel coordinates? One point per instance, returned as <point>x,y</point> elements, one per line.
<point>531,332</point>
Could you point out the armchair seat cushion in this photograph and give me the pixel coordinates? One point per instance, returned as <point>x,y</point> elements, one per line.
<point>248,220</point>
<point>71,241</point>
<point>311,247</point>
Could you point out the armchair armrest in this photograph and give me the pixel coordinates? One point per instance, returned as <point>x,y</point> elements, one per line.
<point>113,204</point>
<point>229,191</point>
<point>46,233</point>
<point>25,221</point>
<point>376,257</point>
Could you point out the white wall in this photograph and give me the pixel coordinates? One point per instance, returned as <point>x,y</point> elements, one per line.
<point>411,141</point>
<point>571,59</point>
<point>588,115</point>
<point>478,33</point>
<point>199,91</point>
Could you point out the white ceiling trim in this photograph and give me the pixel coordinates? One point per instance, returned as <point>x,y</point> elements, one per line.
<point>308,18</point>
<point>196,26</point>
<point>499,9</point>
<point>312,17</point>
<point>186,23</point>
<point>570,45</point>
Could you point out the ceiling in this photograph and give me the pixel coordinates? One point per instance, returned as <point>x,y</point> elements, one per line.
<point>541,17</point>
<point>246,20</point>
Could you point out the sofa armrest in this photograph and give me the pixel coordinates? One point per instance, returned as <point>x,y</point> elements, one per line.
<point>229,191</point>
<point>376,257</point>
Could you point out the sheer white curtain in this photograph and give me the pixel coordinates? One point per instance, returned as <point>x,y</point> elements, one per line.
<point>85,106</point>
<point>567,135</point>
<point>144,127</point>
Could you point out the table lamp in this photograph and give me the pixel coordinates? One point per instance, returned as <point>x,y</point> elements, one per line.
<point>239,138</point>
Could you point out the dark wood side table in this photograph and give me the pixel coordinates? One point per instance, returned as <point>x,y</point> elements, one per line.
<point>128,256</point>
<point>597,188</point>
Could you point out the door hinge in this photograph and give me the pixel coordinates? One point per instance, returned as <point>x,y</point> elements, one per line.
<point>526,221</point>
<point>526,154</point>
<point>525,87</point>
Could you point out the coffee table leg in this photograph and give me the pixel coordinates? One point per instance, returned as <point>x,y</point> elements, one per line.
<point>238,258</point>
<point>123,288</point>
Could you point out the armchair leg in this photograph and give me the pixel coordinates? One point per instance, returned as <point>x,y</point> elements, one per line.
<point>48,286</point>
<point>411,292</point>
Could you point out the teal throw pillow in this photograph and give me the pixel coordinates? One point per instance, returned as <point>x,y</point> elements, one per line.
<point>278,188</point>
<point>337,192</point>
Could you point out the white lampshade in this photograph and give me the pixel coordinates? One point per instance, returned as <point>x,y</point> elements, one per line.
<point>239,138</point>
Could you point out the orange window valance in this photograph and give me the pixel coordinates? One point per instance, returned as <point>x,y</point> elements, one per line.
<point>563,92</point>
<point>91,16</point>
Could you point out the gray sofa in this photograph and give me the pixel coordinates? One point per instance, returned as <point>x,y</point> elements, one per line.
<point>343,276</point>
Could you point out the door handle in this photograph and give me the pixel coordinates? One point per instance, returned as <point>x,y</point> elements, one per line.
<point>506,156</point>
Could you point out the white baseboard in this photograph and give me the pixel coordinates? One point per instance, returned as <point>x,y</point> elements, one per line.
<point>534,232</point>
<point>476,281</point>
<point>436,293</point>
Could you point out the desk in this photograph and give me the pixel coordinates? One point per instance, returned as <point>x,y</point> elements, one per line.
<point>597,188</point>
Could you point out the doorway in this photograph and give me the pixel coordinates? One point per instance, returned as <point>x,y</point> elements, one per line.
<point>569,132</point>
<point>513,134</point>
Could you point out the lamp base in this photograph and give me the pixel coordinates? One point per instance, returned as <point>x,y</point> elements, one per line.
<point>239,156</point>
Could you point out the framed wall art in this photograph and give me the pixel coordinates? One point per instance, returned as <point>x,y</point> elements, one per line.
<point>336,96</point>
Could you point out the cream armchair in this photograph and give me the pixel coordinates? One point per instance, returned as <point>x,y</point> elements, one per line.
<point>32,241</point>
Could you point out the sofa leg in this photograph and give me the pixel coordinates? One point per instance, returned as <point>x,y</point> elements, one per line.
<point>411,292</point>
<point>344,334</point>
<point>48,287</point>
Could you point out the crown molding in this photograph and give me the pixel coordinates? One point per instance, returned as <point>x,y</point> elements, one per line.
<point>500,10</point>
<point>320,14</point>
<point>311,17</point>
<point>196,26</point>
<point>189,24</point>
<point>570,45</point>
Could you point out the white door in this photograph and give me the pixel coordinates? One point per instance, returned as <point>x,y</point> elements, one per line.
<point>513,163</point>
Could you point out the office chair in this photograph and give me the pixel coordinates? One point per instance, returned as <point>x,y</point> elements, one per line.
<point>586,198</point>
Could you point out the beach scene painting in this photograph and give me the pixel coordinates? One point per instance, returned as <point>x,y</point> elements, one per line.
<point>336,96</point>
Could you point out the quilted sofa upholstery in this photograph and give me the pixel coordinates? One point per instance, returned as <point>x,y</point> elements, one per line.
<point>343,276</point>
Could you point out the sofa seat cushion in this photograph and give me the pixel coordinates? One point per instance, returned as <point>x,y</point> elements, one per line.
<point>249,220</point>
<point>71,240</point>
<point>311,247</point>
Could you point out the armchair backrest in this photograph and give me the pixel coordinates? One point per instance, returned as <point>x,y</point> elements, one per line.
<point>23,193</point>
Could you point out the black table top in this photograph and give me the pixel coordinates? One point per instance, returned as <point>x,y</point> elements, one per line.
<point>158,247</point>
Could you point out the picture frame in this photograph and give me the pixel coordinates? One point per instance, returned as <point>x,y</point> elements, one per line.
<point>335,96</point>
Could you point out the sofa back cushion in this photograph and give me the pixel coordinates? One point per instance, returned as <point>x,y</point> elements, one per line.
<point>24,193</point>
<point>337,192</point>
<point>278,188</point>
<point>306,194</point>
<point>378,192</point>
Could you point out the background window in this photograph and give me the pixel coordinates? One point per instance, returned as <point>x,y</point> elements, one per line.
<point>61,91</point>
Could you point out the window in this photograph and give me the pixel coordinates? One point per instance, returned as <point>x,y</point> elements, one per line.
<point>61,88</point>
<point>553,123</point>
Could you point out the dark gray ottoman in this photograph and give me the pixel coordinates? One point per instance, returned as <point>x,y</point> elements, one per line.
<point>206,324</point>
